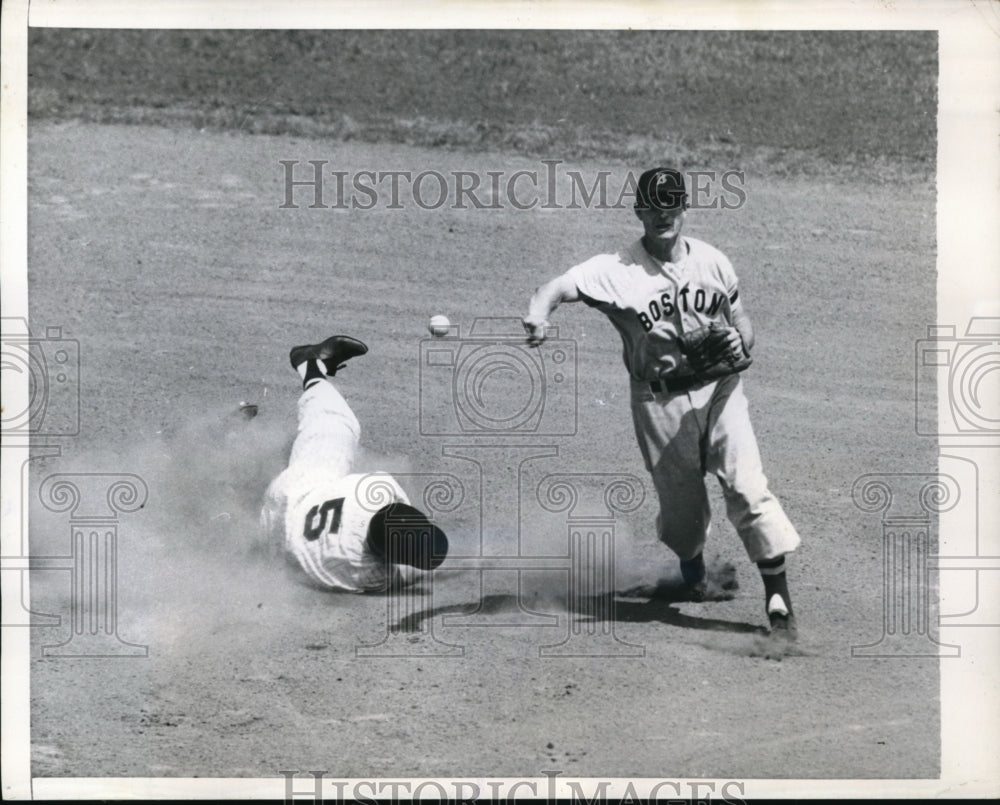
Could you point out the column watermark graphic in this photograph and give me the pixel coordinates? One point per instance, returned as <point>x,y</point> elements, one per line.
<point>94,503</point>
<point>499,471</point>
<point>590,577</point>
<point>907,503</point>
<point>586,570</point>
<point>499,409</point>
<point>406,600</point>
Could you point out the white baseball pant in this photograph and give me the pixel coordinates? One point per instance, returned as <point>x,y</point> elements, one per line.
<point>685,435</point>
<point>317,508</point>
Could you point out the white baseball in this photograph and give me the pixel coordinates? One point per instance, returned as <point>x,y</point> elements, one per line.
<point>438,325</point>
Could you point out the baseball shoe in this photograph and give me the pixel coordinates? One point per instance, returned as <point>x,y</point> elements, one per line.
<point>715,583</point>
<point>782,620</point>
<point>333,352</point>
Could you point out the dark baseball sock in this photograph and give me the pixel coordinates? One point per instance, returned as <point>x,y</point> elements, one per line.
<point>772,573</point>
<point>312,374</point>
<point>693,570</point>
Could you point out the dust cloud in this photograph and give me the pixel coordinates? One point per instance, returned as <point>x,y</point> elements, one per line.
<point>192,561</point>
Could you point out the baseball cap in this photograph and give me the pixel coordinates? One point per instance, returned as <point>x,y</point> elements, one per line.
<point>403,535</point>
<point>662,188</point>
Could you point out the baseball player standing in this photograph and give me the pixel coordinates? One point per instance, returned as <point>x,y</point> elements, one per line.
<point>663,293</point>
<point>347,531</point>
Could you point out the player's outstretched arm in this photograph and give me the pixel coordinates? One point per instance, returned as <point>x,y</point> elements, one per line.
<point>544,301</point>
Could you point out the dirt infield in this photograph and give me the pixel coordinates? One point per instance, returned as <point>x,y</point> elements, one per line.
<point>167,256</point>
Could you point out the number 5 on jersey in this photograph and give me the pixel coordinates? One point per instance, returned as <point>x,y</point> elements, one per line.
<point>323,519</point>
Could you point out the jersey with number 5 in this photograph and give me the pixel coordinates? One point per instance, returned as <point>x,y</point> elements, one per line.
<point>326,527</point>
<point>642,296</point>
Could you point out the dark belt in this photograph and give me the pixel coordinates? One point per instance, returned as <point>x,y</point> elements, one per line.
<point>672,385</point>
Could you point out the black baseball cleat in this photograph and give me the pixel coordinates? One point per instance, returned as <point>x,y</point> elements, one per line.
<point>697,592</point>
<point>333,352</point>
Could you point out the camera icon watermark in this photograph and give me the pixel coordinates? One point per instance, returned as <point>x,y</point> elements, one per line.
<point>490,383</point>
<point>50,368</point>
<point>960,368</point>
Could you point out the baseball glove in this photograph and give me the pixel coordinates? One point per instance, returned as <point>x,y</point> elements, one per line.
<point>712,353</point>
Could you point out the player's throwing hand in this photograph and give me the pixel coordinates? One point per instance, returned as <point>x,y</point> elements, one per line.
<point>546,299</point>
<point>536,330</point>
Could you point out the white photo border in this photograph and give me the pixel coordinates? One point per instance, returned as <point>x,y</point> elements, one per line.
<point>968,181</point>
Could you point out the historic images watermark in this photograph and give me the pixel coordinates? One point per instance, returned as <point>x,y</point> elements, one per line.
<point>315,786</point>
<point>316,184</point>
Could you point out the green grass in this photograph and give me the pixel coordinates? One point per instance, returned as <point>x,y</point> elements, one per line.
<point>809,102</point>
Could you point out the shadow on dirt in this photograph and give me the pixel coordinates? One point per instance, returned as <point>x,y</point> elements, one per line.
<point>594,609</point>
<point>660,611</point>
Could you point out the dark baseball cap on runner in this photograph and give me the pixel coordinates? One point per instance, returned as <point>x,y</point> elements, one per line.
<point>662,188</point>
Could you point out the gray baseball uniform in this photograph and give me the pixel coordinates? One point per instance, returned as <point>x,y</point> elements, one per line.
<point>686,429</point>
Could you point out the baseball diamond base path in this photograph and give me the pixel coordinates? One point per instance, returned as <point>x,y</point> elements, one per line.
<point>165,255</point>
